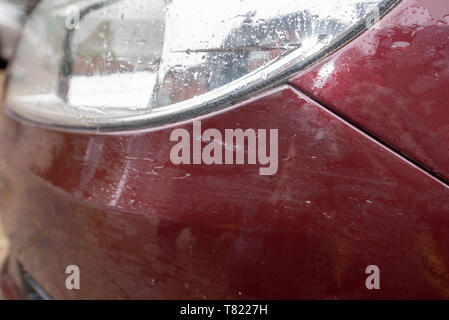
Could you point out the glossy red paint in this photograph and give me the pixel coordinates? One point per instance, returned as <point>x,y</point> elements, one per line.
<point>393,82</point>
<point>141,227</point>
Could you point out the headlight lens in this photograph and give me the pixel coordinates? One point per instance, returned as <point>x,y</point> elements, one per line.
<point>116,64</point>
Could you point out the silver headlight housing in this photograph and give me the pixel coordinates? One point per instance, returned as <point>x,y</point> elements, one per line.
<point>120,64</point>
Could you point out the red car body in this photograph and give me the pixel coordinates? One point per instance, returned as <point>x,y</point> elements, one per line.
<point>362,180</point>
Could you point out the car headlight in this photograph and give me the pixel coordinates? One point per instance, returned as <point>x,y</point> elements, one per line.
<point>117,64</point>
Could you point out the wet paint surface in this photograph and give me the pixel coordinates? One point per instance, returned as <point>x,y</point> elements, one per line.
<point>393,82</point>
<point>140,227</point>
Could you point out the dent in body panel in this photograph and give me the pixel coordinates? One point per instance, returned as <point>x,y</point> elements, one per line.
<point>117,207</point>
